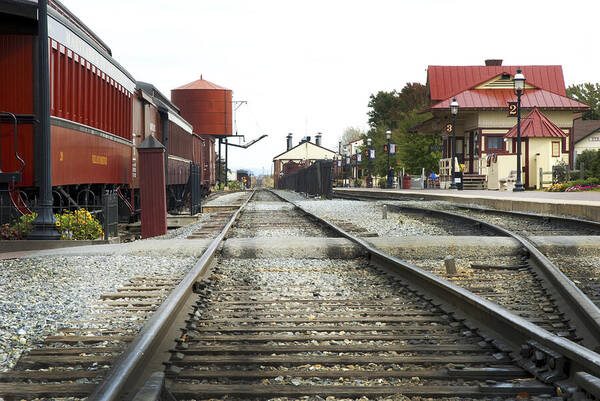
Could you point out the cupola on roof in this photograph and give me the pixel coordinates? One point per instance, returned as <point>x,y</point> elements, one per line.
<point>536,125</point>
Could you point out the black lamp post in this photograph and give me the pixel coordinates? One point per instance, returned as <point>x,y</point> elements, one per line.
<point>454,112</point>
<point>519,81</point>
<point>44,224</point>
<point>346,163</point>
<point>388,136</point>
<point>369,178</point>
<point>356,163</point>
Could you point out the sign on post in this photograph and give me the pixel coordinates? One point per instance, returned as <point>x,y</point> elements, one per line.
<point>512,109</point>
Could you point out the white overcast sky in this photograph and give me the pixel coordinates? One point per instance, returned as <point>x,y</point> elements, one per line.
<point>309,66</point>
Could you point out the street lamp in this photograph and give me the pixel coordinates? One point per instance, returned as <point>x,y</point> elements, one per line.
<point>519,81</point>
<point>356,163</point>
<point>369,178</point>
<point>388,136</point>
<point>454,112</point>
<point>346,163</point>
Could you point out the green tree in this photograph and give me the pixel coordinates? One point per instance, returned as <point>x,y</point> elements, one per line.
<point>399,112</point>
<point>591,163</point>
<point>387,109</point>
<point>589,94</point>
<point>415,149</point>
<point>351,134</point>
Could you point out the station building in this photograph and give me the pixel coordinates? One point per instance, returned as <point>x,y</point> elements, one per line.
<point>486,133</point>
<point>300,156</point>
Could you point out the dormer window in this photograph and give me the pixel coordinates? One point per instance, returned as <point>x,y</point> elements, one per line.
<point>505,75</point>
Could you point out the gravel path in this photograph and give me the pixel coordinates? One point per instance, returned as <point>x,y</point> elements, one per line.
<point>232,198</point>
<point>369,216</point>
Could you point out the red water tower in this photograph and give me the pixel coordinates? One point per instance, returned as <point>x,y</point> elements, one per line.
<point>206,106</point>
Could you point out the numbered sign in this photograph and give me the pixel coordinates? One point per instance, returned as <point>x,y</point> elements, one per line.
<point>392,148</point>
<point>385,148</point>
<point>449,128</point>
<point>372,154</point>
<point>512,109</point>
<point>347,160</point>
<point>339,163</point>
<point>358,157</point>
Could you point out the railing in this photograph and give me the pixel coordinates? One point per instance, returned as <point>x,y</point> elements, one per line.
<point>313,180</point>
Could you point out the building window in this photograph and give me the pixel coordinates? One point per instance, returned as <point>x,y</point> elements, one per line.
<point>555,149</point>
<point>494,143</point>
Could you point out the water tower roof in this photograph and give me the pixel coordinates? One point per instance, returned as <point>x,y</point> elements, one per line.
<point>201,84</point>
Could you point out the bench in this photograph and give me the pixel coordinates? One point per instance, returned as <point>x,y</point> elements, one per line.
<point>508,183</point>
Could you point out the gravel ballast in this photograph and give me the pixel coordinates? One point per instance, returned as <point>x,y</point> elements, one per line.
<point>40,295</point>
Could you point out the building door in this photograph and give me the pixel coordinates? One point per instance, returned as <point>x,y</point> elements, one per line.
<point>471,151</point>
<point>460,150</point>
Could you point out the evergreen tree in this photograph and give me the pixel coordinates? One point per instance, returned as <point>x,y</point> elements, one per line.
<point>589,94</point>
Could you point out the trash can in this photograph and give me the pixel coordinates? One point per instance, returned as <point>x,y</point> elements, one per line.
<point>406,181</point>
<point>458,180</point>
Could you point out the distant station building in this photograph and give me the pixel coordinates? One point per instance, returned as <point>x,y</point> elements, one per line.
<point>485,132</point>
<point>354,149</point>
<point>302,155</point>
<point>586,135</point>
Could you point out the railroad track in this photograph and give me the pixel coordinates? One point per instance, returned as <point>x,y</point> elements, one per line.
<point>562,297</point>
<point>371,327</point>
<point>579,269</point>
<point>77,357</point>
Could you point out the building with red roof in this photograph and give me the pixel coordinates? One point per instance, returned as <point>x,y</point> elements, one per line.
<point>586,136</point>
<point>483,122</point>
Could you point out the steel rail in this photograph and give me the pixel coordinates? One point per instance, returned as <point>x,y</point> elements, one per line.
<point>515,332</point>
<point>125,371</point>
<point>571,220</point>
<point>568,295</point>
<point>377,196</point>
<point>585,314</point>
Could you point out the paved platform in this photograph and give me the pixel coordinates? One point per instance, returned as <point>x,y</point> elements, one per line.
<point>585,205</point>
<point>147,247</point>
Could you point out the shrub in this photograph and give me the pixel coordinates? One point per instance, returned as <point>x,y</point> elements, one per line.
<point>590,184</point>
<point>591,163</point>
<point>234,186</point>
<point>580,188</point>
<point>561,172</point>
<point>7,232</point>
<point>79,224</point>
<point>592,181</point>
<point>558,187</point>
<point>22,227</point>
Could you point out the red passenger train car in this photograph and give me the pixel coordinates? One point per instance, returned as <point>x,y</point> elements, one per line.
<point>99,114</point>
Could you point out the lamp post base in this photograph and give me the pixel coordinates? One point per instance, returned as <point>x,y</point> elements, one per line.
<point>44,231</point>
<point>453,185</point>
<point>518,187</point>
